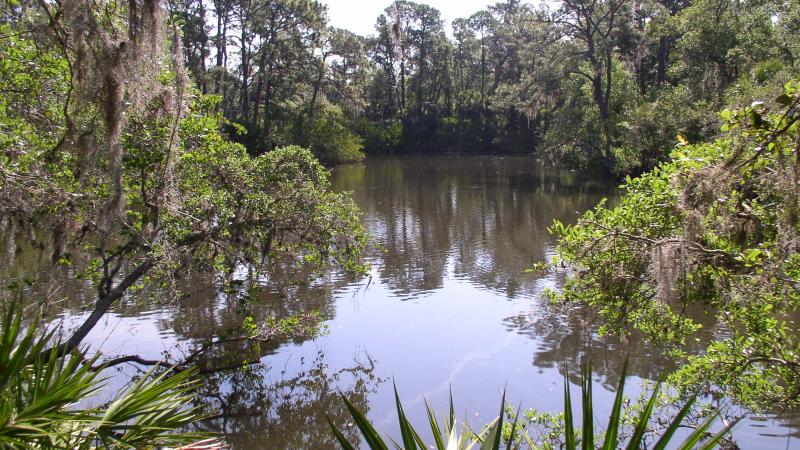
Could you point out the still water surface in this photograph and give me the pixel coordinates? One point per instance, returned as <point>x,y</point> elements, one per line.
<point>448,304</point>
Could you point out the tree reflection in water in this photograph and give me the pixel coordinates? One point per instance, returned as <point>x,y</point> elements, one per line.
<point>454,237</point>
<point>259,412</point>
<point>565,333</point>
<point>486,216</point>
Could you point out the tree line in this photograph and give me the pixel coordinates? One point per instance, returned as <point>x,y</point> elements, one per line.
<point>602,84</point>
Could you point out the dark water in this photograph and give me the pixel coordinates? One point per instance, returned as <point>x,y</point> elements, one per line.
<point>448,305</point>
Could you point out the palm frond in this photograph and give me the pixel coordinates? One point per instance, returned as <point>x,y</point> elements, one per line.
<point>491,436</point>
<point>39,390</point>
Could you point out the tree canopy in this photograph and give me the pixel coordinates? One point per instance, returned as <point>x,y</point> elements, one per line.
<point>111,161</point>
<point>605,85</point>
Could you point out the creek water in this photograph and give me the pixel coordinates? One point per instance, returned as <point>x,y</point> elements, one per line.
<point>448,305</point>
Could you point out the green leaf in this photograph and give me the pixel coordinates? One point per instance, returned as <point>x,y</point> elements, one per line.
<point>371,436</point>
<point>406,431</point>
<point>644,418</point>
<point>513,428</point>
<point>339,436</point>
<point>588,412</point>
<point>666,437</point>
<point>568,420</point>
<point>714,441</point>
<point>492,441</point>
<point>699,432</point>
<point>435,429</point>
<point>610,442</point>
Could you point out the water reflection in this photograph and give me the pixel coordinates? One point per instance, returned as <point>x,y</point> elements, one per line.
<point>483,221</point>
<point>286,407</point>
<point>448,304</point>
<point>487,216</point>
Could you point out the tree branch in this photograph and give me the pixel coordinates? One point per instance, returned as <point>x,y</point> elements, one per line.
<point>101,308</point>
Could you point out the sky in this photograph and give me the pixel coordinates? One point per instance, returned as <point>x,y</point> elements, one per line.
<point>359,16</point>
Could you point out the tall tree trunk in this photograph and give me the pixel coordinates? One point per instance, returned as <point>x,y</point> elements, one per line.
<point>600,94</point>
<point>607,105</point>
<point>245,94</point>
<point>483,76</point>
<point>662,56</point>
<point>259,85</point>
<point>317,87</point>
<point>422,72</point>
<point>227,102</point>
<point>268,103</point>
<point>402,80</point>
<point>219,43</point>
<point>204,53</point>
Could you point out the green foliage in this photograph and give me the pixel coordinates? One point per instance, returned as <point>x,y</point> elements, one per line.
<point>463,134</point>
<point>381,138</point>
<point>716,228</point>
<point>561,431</point>
<point>575,138</point>
<point>26,74</point>
<point>132,179</point>
<point>39,391</point>
<point>331,139</point>
<point>277,204</point>
<point>648,131</point>
<point>606,84</point>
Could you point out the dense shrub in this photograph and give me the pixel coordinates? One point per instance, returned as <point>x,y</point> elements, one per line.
<point>332,141</point>
<point>717,229</point>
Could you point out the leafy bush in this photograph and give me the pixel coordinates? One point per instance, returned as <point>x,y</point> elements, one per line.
<point>648,131</point>
<point>132,180</point>
<point>717,229</point>
<point>381,137</point>
<point>574,137</point>
<point>462,134</point>
<point>332,141</point>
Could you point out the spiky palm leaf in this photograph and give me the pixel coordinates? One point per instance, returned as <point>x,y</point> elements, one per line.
<point>489,438</point>
<point>39,391</point>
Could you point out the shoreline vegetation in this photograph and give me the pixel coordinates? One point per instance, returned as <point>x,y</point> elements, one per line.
<point>142,141</point>
<point>511,430</point>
